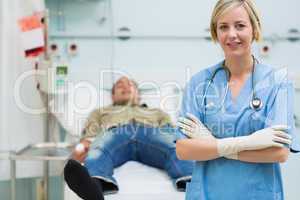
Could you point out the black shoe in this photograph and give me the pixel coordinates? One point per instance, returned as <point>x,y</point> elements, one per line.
<point>182,182</point>
<point>79,180</point>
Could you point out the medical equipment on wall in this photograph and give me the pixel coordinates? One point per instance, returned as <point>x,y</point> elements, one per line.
<point>265,48</point>
<point>255,103</point>
<point>32,34</point>
<point>72,49</point>
<point>52,76</point>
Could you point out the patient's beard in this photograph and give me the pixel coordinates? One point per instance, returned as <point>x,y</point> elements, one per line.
<point>128,102</point>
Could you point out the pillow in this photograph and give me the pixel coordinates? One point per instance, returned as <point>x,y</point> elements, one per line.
<point>166,98</point>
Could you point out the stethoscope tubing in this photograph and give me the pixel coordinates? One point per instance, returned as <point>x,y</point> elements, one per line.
<point>255,102</point>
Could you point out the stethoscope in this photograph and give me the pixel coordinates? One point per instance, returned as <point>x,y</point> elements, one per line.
<point>255,103</point>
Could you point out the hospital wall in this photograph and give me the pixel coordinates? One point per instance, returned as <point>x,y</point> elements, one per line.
<point>18,128</point>
<point>168,43</point>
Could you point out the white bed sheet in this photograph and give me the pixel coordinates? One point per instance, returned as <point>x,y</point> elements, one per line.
<point>139,182</point>
<point>136,181</point>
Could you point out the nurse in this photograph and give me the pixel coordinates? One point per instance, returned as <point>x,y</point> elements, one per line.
<point>237,116</point>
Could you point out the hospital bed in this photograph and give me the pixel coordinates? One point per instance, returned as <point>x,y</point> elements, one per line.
<point>136,181</point>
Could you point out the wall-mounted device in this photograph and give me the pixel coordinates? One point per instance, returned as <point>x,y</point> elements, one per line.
<point>265,49</point>
<point>72,49</point>
<point>52,77</point>
<point>53,49</point>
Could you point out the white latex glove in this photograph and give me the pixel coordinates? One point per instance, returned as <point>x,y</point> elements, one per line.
<point>192,127</point>
<point>265,138</point>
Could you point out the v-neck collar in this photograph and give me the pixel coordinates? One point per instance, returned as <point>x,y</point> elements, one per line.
<point>243,95</point>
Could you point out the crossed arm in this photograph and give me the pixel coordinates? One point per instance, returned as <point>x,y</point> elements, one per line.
<point>262,146</point>
<point>206,149</point>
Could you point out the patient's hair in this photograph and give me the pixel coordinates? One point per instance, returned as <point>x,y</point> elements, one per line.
<point>224,6</point>
<point>113,87</point>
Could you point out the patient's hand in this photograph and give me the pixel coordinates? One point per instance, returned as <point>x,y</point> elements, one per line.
<point>81,150</point>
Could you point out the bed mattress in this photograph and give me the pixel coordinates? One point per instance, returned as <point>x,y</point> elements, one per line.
<point>139,182</point>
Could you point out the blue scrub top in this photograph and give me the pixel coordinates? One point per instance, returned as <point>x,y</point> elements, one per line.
<point>222,178</point>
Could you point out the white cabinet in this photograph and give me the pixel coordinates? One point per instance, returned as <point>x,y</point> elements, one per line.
<point>163,17</point>
<point>279,16</point>
<point>79,18</point>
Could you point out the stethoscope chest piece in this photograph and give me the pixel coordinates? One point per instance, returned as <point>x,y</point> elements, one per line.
<point>256,103</point>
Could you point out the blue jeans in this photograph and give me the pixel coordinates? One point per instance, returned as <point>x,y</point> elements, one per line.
<point>151,146</point>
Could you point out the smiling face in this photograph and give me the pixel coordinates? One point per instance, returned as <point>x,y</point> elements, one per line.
<point>125,92</point>
<point>235,32</point>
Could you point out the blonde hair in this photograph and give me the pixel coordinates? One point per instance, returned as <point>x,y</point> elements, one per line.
<point>223,6</point>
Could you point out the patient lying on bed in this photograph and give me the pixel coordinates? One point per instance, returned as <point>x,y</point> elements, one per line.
<point>119,133</point>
